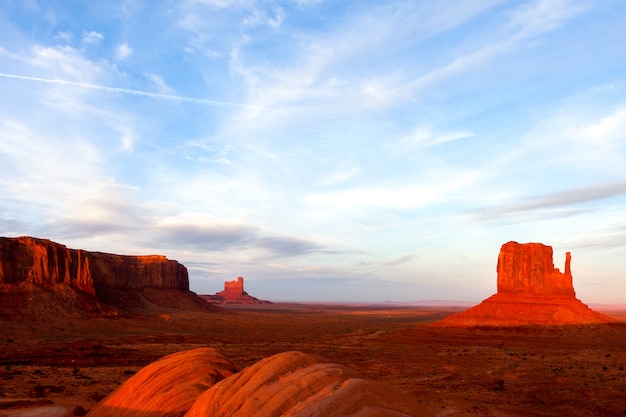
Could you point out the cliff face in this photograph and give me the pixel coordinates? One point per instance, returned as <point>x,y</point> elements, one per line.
<point>528,268</point>
<point>233,289</point>
<point>39,261</point>
<point>137,272</point>
<point>43,262</point>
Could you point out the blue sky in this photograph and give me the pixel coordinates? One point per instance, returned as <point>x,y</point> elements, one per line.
<point>324,150</point>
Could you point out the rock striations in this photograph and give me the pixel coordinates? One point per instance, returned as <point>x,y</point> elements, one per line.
<point>167,387</point>
<point>201,382</point>
<point>528,268</point>
<point>233,294</point>
<point>30,265</point>
<point>531,291</point>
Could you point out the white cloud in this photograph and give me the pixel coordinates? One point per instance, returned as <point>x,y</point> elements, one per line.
<point>541,16</point>
<point>277,20</point>
<point>425,137</point>
<point>580,136</point>
<point>210,53</point>
<point>123,51</point>
<point>222,3</point>
<point>318,70</point>
<point>67,37</point>
<point>258,17</point>
<point>526,23</point>
<point>92,37</point>
<point>607,130</point>
<point>255,18</point>
<point>52,169</point>
<point>64,62</point>
<point>160,84</point>
<point>393,197</point>
<point>557,204</point>
<point>338,177</point>
<point>128,140</point>
<point>307,3</point>
<point>194,15</point>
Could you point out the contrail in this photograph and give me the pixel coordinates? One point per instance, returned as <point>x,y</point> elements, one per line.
<point>201,101</point>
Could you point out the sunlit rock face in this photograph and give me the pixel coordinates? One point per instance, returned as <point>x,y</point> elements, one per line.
<point>234,288</point>
<point>531,291</point>
<point>233,293</point>
<point>167,387</point>
<point>298,385</point>
<point>528,268</point>
<point>201,382</point>
<point>39,278</point>
<point>41,261</point>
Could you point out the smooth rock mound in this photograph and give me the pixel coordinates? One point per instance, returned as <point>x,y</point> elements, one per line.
<point>167,387</point>
<point>200,383</point>
<point>531,292</point>
<point>299,385</point>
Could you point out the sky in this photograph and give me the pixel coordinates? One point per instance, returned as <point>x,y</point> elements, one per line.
<point>362,151</point>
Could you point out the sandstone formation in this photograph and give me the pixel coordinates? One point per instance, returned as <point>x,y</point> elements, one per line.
<point>287,384</point>
<point>29,265</point>
<point>528,268</point>
<point>41,261</point>
<point>531,291</point>
<point>233,294</point>
<point>167,387</point>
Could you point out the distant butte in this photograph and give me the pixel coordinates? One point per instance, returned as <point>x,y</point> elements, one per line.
<point>233,294</point>
<point>531,292</point>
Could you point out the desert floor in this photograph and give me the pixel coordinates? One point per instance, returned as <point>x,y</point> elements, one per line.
<point>65,366</point>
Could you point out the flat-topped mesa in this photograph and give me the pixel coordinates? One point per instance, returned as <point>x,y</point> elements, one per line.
<point>43,262</point>
<point>529,268</point>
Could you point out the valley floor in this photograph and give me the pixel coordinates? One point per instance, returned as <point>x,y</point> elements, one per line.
<point>574,371</point>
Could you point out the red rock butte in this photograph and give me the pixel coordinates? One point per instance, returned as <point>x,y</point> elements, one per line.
<point>233,293</point>
<point>531,292</point>
<point>528,268</point>
<point>234,288</point>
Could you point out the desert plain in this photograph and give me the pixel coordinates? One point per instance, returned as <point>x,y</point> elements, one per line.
<point>70,364</point>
